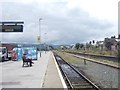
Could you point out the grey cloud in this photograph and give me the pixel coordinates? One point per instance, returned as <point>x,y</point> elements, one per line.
<point>62,25</point>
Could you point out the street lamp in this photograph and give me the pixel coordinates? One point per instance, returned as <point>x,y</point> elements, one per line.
<point>40,34</point>
<point>45,43</point>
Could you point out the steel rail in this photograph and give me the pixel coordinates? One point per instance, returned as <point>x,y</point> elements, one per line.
<point>78,72</point>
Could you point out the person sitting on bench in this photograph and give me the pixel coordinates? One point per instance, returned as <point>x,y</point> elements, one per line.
<point>25,60</point>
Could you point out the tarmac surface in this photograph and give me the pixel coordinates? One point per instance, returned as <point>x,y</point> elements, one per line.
<point>43,74</point>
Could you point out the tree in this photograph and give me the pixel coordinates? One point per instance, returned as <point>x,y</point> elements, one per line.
<point>81,46</point>
<point>77,45</point>
<point>90,42</point>
<point>51,47</point>
<point>113,37</point>
<point>88,45</point>
<point>118,36</point>
<point>118,50</point>
<point>107,43</point>
<point>93,41</point>
<point>118,45</point>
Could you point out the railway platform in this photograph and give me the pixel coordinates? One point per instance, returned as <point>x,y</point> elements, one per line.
<point>43,74</point>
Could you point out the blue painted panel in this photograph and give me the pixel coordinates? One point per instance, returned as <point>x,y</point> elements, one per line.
<point>31,52</point>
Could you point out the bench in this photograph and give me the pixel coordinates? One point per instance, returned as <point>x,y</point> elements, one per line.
<point>25,63</point>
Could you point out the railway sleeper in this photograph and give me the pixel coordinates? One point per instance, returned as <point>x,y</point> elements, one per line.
<point>82,85</point>
<point>80,80</point>
<point>73,76</point>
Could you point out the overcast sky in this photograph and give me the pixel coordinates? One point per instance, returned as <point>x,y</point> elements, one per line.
<point>63,21</point>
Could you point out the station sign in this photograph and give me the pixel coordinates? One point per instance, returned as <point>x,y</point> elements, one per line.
<point>11,28</point>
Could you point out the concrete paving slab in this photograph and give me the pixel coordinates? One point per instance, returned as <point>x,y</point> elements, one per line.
<point>0,66</point>
<point>52,77</point>
<point>16,76</point>
<point>43,74</point>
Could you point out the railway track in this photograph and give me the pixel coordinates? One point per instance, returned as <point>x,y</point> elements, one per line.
<point>73,78</point>
<point>111,58</point>
<point>92,60</point>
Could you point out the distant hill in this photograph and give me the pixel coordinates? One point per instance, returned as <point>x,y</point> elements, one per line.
<point>39,46</point>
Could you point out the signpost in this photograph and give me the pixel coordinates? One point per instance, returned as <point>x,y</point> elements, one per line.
<point>11,26</point>
<point>7,27</point>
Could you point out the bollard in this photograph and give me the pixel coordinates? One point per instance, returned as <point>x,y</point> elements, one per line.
<point>85,62</point>
<point>40,54</point>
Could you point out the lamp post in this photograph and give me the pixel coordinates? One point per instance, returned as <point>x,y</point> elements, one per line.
<point>45,43</point>
<point>40,34</point>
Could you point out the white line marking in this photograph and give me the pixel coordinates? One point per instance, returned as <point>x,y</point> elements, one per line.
<point>61,78</point>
